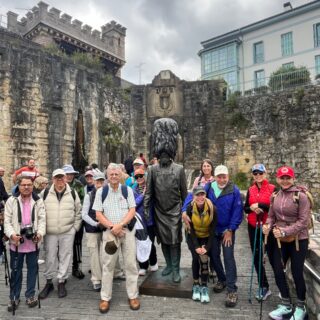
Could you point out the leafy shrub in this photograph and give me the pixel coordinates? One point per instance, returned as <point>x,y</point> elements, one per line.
<point>286,77</point>
<point>87,60</point>
<point>241,180</point>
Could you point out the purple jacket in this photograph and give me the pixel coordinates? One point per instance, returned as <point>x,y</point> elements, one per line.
<point>292,216</point>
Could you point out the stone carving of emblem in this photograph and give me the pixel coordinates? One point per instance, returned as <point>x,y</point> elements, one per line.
<point>165,101</point>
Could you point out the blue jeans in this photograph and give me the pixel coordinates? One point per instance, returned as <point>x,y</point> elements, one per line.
<point>16,265</point>
<point>229,274</point>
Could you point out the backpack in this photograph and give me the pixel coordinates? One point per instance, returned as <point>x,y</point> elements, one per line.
<point>46,191</point>
<point>296,198</point>
<point>105,191</point>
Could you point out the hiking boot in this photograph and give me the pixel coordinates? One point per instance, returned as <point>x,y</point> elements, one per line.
<point>219,286</point>
<point>142,272</point>
<point>134,304</point>
<point>154,268</point>
<point>196,293</point>
<point>280,312</point>
<point>299,313</point>
<point>32,302</point>
<point>46,290</point>
<point>97,287</point>
<point>10,305</point>
<point>205,294</point>
<point>263,294</point>
<point>62,292</point>
<point>78,273</point>
<point>231,299</point>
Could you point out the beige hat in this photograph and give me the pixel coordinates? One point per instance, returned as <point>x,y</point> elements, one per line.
<point>221,169</point>
<point>58,172</point>
<point>112,244</point>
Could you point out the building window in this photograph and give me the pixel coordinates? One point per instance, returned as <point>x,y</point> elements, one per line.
<point>259,78</point>
<point>219,59</point>
<point>258,52</point>
<point>286,44</point>
<point>288,65</point>
<point>317,64</point>
<point>316,34</point>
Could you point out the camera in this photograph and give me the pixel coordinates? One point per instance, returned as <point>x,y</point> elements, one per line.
<point>27,231</point>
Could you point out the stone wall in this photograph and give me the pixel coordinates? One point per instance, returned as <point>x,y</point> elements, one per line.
<point>40,96</point>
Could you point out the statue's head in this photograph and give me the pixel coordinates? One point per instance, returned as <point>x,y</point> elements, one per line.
<point>164,137</point>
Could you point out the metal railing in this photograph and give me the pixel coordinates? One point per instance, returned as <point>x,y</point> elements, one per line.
<point>279,82</point>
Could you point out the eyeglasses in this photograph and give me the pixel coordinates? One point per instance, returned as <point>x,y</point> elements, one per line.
<point>258,173</point>
<point>139,176</point>
<point>26,185</point>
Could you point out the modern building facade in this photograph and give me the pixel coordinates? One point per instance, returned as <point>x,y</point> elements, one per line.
<point>246,57</point>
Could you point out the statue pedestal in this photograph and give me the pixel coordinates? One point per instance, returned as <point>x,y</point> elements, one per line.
<point>157,285</point>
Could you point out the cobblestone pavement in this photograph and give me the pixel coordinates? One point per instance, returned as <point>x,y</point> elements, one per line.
<point>82,302</point>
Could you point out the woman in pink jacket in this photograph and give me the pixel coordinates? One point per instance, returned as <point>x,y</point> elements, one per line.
<point>288,219</point>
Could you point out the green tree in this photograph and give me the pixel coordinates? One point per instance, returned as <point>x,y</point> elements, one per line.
<point>287,77</point>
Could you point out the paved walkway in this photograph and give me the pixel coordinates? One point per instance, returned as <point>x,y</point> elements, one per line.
<point>82,302</point>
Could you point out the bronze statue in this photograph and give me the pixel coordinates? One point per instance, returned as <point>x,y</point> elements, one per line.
<point>166,189</point>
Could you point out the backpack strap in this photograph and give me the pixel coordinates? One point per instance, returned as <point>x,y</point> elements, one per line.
<point>45,193</point>
<point>104,193</point>
<point>73,193</point>
<point>20,214</point>
<point>124,191</point>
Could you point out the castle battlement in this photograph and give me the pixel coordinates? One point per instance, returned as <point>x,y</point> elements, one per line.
<point>109,43</point>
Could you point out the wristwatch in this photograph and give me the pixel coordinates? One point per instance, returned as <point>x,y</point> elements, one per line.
<point>283,234</point>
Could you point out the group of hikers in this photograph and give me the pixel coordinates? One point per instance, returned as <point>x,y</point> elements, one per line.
<point>106,205</point>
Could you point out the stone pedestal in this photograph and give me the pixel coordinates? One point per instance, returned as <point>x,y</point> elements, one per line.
<point>157,285</point>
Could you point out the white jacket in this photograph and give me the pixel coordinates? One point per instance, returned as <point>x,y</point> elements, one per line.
<point>64,214</point>
<point>11,221</point>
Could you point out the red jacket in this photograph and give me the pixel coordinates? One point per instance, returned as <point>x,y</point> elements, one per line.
<point>262,197</point>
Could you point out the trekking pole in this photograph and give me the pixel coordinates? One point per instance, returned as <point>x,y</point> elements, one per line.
<point>15,269</point>
<point>252,263</point>
<point>284,270</point>
<point>6,264</point>
<point>261,262</point>
<point>38,278</point>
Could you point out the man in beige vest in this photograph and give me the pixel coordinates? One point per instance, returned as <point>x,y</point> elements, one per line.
<point>63,210</point>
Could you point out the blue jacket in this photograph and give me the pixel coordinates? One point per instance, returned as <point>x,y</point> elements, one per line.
<point>140,209</point>
<point>228,205</point>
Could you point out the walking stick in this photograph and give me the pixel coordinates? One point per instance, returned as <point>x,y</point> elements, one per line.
<point>252,264</point>
<point>284,270</point>
<point>263,246</point>
<point>38,278</point>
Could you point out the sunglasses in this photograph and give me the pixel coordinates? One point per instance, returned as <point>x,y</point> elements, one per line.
<point>139,176</point>
<point>257,173</point>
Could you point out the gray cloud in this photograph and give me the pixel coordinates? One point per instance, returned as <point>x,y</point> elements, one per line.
<point>163,34</point>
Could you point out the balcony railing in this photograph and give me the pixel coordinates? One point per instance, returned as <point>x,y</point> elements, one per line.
<point>279,82</point>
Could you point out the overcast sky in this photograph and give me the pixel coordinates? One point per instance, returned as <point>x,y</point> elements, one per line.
<point>162,34</point>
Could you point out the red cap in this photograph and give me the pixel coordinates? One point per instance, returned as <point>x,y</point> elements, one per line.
<point>285,171</point>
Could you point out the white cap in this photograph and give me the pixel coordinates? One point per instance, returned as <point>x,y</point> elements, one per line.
<point>58,172</point>
<point>221,169</point>
<point>138,161</point>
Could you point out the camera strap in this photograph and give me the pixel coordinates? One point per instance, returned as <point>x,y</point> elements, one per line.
<point>20,214</point>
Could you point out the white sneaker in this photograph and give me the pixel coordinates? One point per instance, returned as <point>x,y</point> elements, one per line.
<point>40,261</point>
<point>154,268</point>
<point>142,272</point>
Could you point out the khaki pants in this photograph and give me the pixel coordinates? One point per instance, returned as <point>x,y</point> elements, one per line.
<point>128,248</point>
<point>58,249</point>
<point>94,243</point>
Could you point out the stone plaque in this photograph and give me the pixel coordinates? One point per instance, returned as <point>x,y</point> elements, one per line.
<point>157,285</point>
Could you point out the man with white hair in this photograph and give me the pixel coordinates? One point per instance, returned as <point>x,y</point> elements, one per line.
<point>226,197</point>
<point>115,209</point>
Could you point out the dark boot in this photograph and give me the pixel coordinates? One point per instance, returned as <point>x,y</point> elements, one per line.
<point>62,292</point>
<point>46,290</point>
<point>167,255</point>
<point>175,258</point>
